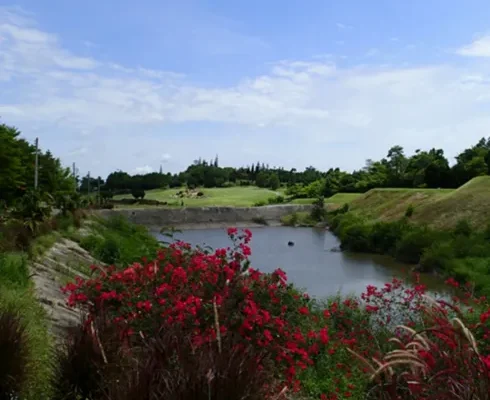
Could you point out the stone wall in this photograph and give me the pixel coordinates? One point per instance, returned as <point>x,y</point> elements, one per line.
<point>205,215</point>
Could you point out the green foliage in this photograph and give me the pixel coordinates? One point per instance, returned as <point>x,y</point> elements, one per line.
<point>437,257</point>
<point>385,236</point>
<point>302,219</point>
<point>276,200</point>
<point>117,241</point>
<point>463,228</point>
<point>138,193</point>
<point>14,271</point>
<point>412,244</point>
<point>409,211</point>
<point>33,208</point>
<point>273,181</point>
<point>356,238</point>
<point>318,212</point>
<point>17,168</point>
<point>20,301</point>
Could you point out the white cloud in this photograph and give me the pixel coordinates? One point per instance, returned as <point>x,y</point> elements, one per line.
<point>478,48</point>
<point>143,170</point>
<point>296,114</point>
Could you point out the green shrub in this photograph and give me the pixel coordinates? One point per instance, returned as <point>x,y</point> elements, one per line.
<point>437,257</point>
<point>344,208</point>
<point>385,235</point>
<point>138,193</point>
<point>318,211</point>
<point>117,241</point>
<point>259,204</point>
<point>356,237</point>
<point>463,228</point>
<point>409,211</point>
<point>290,220</point>
<point>412,244</point>
<point>276,199</point>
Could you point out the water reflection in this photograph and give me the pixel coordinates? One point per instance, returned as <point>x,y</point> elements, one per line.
<point>310,263</point>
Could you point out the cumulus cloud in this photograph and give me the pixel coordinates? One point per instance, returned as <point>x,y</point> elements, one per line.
<point>298,113</point>
<point>478,48</point>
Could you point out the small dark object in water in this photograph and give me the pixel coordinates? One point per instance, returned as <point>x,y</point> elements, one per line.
<point>290,243</point>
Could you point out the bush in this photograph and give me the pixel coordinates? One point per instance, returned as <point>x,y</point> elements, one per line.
<point>185,288</point>
<point>412,244</point>
<point>463,228</point>
<point>409,211</point>
<point>259,204</point>
<point>356,238</point>
<point>318,211</point>
<point>116,241</point>
<point>344,208</point>
<point>385,235</point>
<point>275,200</point>
<point>437,257</point>
<point>138,193</point>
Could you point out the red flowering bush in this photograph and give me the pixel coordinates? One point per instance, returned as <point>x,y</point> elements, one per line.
<point>217,302</point>
<point>440,361</point>
<point>208,295</point>
<point>370,325</point>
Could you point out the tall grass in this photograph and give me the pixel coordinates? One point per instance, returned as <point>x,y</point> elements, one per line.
<point>116,241</point>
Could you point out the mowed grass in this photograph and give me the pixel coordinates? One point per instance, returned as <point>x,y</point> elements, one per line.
<point>439,208</point>
<point>342,198</point>
<point>238,196</point>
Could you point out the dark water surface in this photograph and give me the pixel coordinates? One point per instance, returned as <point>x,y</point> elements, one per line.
<point>310,264</point>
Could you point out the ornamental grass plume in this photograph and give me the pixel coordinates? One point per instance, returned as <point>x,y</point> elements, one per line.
<point>14,356</point>
<point>440,361</point>
<point>89,359</point>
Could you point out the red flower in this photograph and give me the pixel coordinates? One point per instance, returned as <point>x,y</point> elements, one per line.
<point>304,310</point>
<point>232,231</point>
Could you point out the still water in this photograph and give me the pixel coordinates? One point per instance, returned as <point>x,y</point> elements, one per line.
<point>310,264</point>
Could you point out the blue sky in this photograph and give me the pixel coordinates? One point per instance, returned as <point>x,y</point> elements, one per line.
<point>132,85</point>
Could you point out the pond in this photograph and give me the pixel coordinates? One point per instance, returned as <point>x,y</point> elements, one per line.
<point>310,264</point>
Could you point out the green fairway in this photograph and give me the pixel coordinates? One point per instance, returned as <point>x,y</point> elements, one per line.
<point>238,196</point>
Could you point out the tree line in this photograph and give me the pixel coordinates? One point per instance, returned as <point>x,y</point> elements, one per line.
<point>423,169</point>
<point>17,166</point>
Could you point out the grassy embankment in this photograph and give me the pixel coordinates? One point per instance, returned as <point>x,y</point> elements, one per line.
<point>113,241</point>
<point>447,231</point>
<point>17,296</point>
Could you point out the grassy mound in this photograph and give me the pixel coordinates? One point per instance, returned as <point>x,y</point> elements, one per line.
<point>440,208</point>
